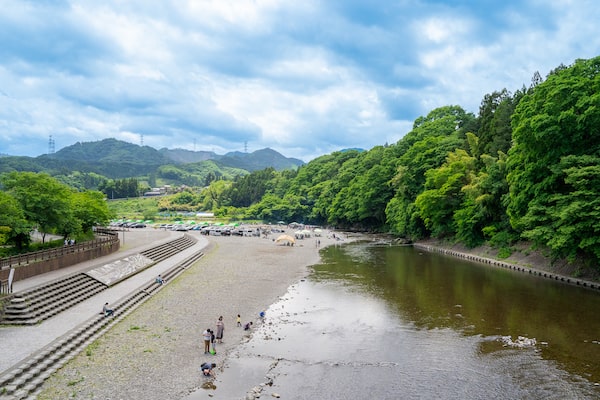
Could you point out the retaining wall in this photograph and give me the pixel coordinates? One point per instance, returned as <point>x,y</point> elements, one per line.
<point>502,264</point>
<point>71,256</point>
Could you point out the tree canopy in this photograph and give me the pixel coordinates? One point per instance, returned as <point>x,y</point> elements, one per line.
<point>38,201</point>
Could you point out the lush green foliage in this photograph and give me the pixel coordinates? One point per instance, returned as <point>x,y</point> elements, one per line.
<point>554,161</point>
<point>527,167</point>
<point>37,201</point>
<point>120,188</point>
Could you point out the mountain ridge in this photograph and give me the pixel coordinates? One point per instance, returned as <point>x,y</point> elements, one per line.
<point>117,159</point>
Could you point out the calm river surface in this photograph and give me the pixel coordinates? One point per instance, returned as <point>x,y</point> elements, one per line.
<point>391,322</point>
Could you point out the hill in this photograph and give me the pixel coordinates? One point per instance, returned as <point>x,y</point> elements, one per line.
<point>115,159</point>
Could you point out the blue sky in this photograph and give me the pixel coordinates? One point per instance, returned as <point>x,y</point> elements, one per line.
<point>305,78</point>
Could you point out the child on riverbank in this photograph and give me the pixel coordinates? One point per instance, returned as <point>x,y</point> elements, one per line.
<point>213,349</point>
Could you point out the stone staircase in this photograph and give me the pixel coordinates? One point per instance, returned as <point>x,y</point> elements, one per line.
<point>169,249</point>
<point>32,306</point>
<point>24,379</point>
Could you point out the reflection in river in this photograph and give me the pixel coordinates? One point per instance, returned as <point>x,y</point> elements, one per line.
<point>390,322</point>
<point>436,291</point>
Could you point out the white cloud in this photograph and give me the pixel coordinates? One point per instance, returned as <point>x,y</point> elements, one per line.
<point>301,77</point>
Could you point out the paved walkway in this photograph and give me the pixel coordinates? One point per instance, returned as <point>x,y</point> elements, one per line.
<point>19,342</point>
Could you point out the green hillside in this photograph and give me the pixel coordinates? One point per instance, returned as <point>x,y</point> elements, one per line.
<point>115,159</point>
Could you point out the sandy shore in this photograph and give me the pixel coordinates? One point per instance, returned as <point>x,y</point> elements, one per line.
<point>155,353</point>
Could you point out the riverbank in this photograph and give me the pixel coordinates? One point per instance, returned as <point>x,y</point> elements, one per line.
<point>155,353</point>
<point>522,259</point>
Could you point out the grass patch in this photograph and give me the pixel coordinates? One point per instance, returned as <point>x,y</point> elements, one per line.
<point>504,252</point>
<point>89,350</point>
<point>137,328</point>
<point>75,382</point>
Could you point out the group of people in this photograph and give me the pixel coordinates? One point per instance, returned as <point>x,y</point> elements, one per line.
<point>211,338</point>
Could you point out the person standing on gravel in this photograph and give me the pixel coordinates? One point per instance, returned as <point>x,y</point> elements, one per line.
<point>220,329</point>
<point>206,335</point>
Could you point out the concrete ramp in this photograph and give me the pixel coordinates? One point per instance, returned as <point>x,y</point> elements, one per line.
<point>116,271</point>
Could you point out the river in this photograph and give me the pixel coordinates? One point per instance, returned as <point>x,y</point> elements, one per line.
<point>393,322</point>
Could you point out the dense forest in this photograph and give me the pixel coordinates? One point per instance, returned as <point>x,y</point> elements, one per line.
<point>526,167</point>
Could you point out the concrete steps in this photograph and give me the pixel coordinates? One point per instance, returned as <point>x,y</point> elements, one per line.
<point>169,249</point>
<point>37,304</point>
<point>25,379</point>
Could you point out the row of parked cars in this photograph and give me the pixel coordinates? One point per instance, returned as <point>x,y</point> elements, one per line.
<point>203,229</point>
<point>128,224</point>
<point>216,230</point>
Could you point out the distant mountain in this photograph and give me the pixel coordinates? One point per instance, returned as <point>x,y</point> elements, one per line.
<point>259,159</point>
<point>352,149</point>
<point>117,159</point>
<point>182,156</point>
<point>255,161</point>
<point>112,151</point>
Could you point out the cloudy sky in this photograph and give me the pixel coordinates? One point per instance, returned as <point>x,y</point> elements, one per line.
<point>305,78</point>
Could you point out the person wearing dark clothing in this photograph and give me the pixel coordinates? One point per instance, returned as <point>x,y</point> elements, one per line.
<point>207,369</point>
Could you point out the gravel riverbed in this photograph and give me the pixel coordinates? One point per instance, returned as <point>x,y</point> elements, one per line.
<point>156,351</point>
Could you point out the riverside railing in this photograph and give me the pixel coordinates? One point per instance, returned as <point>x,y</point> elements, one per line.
<point>38,262</point>
<point>106,238</point>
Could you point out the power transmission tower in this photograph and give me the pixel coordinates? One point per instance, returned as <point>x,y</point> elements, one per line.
<point>51,147</point>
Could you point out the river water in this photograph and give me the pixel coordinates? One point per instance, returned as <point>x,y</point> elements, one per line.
<point>392,322</point>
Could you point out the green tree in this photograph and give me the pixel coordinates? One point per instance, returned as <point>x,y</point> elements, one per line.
<point>482,215</point>
<point>318,183</point>
<point>495,131</point>
<point>558,119</point>
<point>46,203</point>
<point>443,194</point>
<point>362,200</point>
<point>215,195</point>
<point>90,209</point>
<point>424,148</point>
<point>14,228</point>
<point>251,188</point>
<point>272,208</point>
<point>571,225</point>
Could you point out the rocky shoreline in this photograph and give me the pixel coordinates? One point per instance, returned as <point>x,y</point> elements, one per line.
<point>156,351</point>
